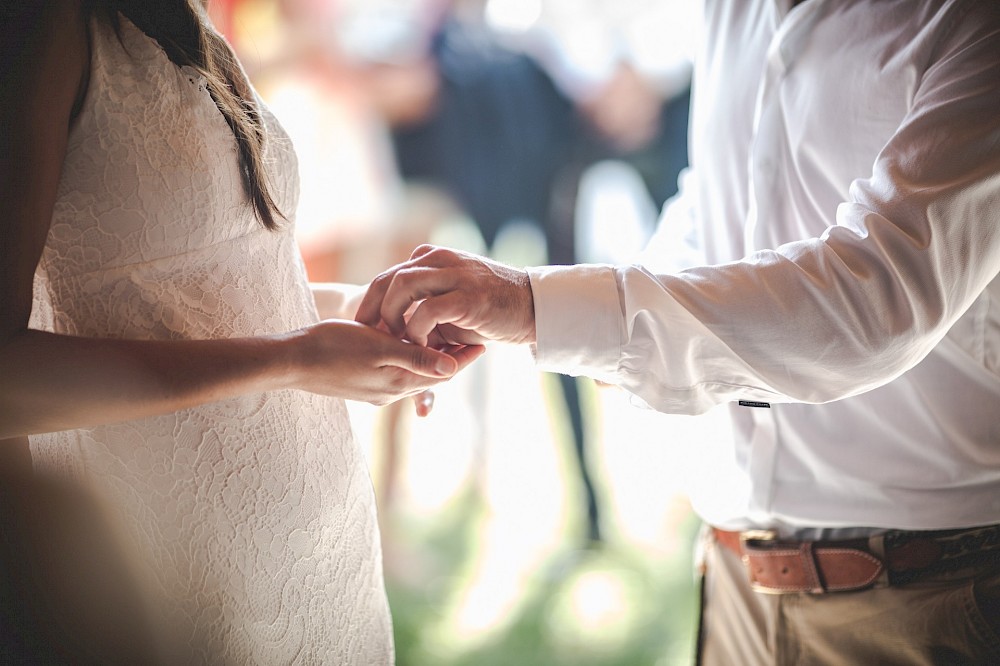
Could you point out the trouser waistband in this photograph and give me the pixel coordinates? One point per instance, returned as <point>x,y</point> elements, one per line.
<point>786,566</point>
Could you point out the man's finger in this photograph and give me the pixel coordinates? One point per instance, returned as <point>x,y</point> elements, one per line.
<point>448,308</point>
<point>369,311</point>
<point>421,250</point>
<point>466,354</point>
<point>456,335</point>
<point>449,335</point>
<point>409,286</point>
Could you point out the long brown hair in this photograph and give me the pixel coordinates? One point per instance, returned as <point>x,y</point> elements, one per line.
<point>182,29</point>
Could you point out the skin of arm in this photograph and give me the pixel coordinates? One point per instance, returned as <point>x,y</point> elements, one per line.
<point>54,382</point>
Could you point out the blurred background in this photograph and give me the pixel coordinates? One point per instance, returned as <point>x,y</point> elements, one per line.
<point>531,518</point>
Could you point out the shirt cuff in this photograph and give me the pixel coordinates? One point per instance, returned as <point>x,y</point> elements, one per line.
<point>578,320</point>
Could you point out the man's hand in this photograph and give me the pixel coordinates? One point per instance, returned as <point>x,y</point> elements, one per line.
<point>443,296</point>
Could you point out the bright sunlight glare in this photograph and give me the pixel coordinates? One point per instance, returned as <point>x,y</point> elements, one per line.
<point>598,600</point>
<point>513,15</point>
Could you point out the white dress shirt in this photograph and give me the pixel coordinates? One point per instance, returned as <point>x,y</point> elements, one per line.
<point>834,253</point>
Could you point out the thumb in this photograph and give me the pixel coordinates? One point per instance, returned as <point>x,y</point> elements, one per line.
<point>428,362</point>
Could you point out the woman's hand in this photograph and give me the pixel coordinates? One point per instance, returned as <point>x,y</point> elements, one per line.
<point>357,362</point>
<point>58,382</point>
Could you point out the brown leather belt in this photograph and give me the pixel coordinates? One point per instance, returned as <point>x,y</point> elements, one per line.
<point>777,566</point>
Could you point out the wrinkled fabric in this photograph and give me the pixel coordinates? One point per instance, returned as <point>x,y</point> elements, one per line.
<point>833,254</point>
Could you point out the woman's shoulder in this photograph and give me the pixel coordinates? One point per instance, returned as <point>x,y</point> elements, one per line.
<point>44,48</point>
<point>28,23</point>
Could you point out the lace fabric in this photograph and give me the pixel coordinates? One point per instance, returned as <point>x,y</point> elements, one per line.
<point>253,519</point>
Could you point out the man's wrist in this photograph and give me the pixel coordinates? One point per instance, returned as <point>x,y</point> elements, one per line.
<point>529,334</point>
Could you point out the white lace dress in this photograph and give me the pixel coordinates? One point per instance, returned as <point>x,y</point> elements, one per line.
<point>254,518</point>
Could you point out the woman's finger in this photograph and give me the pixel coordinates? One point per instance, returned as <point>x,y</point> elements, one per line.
<point>423,402</point>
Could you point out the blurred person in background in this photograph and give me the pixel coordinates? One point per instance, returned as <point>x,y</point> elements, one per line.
<point>505,105</point>
<point>829,274</point>
<point>178,478</point>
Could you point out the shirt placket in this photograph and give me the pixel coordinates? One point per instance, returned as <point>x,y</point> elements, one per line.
<point>766,159</point>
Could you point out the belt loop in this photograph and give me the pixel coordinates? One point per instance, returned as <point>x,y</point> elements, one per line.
<point>876,543</point>
<point>809,563</point>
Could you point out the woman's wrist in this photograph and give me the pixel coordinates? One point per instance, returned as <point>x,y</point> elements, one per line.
<point>292,355</point>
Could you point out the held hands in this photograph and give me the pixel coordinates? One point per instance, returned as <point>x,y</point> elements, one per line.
<point>448,297</point>
<point>357,362</point>
<point>440,306</point>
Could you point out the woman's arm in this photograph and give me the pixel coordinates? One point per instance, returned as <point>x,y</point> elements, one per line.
<point>336,300</point>
<point>54,382</point>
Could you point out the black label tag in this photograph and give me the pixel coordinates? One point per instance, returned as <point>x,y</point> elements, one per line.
<point>754,403</point>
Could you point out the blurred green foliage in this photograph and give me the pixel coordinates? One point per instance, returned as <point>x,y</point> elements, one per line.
<point>654,620</point>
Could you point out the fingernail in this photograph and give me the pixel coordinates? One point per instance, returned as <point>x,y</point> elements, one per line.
<point>444,366</point>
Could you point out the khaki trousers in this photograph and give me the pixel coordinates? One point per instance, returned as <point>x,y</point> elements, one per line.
<point>951,618</point>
